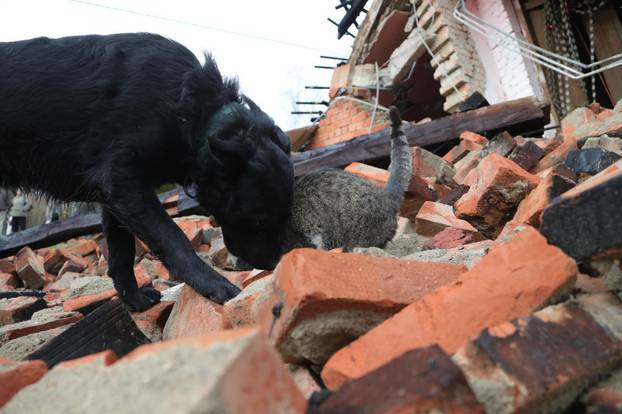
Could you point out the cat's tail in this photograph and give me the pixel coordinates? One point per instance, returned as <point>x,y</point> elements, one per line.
<point>400,170</point>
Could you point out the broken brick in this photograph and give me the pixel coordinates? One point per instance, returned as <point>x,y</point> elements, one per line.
<point>450,238</point>
<point>526,155</point>
<point>255,275</point>
<point>613,144</point>
<point>516,278</point>
<point>530,209</point>
<point>320,312</point>
<point>583,122</point>
<point>498,185</point>
<point>55,261</point>
<point>458,152</point>
<point>7,265</point>
<point>434,217</point>
<point>465,166</point>
<point>473,137</point>
<point>542,363</point>
<point>17,375</point>
<point>419,381</point>
<point>557,156</point>
<point>431,167</point>
<point>501,144</point>
<point>8,281</point>
<point>82,247</point>
<point>377,176</point>
<point>193,315</point>
<point>41,321</point>
<point>152,321</point>
<point>235,371</point>
<point>30,269</point>
<point>586,220</point>
<point>19,309</point>
<point>244,309</point>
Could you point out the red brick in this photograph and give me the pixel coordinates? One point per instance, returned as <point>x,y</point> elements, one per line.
<point>193,315</point>
<point>328,299</point>
<point>7,265</point>
<point>152,321</point>
<point>245,308</point>
<point>557,156</point>
<point>465,166</point>
<point>434,217</point>
<point>432,168</point>
<point>19,309</point>
<point>450,238</point>
<point>419,381</point>
<point>498,185</point>
<point>27,327</point>
<point>376,175</point>
<point>55,262</point>
<point>473,137</point>
<point>530,209</point>
<point>29,268</point>
<point>459,151</point>
<point>8,281</point>
<point>542,363</point>
<point>516,278</point>
<point>82,247</point>
<point>16,375</point>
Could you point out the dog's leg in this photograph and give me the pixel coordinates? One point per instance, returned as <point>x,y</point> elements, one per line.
<point>136,205</point>
<point>121,250</point>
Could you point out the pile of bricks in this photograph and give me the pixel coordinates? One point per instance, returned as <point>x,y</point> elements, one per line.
<point>500,293</point>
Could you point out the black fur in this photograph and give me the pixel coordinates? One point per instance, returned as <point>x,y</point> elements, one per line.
<point>109,118</point>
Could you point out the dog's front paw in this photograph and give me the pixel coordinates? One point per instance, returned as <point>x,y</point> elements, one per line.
<point>141,299</point>
<point>218,289</point>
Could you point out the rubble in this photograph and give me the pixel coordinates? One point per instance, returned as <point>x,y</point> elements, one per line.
<point>319,313</point>
<point>476,305</point>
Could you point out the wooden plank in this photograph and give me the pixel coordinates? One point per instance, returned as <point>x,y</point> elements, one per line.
<point>506,115</point>
<point>608,42</point>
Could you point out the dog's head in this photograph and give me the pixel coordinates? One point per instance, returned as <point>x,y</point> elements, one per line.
<point>245,179</point>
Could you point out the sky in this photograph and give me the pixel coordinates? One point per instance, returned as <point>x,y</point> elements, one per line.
<point>270,45</point>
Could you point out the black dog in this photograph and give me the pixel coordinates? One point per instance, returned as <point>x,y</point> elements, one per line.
<point>109,118</point>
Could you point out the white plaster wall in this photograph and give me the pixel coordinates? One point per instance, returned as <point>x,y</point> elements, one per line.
<point>508,74</point>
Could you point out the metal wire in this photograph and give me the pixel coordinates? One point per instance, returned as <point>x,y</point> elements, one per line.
<point>571,68</point>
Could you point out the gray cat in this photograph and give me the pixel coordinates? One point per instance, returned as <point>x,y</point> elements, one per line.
<point>334,208</point>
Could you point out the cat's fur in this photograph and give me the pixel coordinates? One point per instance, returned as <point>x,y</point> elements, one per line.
<point>334,208</point>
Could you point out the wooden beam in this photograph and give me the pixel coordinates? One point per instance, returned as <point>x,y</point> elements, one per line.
<point>518,115</point>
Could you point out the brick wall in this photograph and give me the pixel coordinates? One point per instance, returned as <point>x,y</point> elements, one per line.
<point>345,120</point>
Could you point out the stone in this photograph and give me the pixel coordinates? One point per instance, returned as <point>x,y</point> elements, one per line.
<point>530,209</point>
<point>319,312</point>
<point>193,315</point>
<point>498,186</point>
<point>418,381</point>
<point>30,269</point>
<point>526,155</point>
<point>577,343</point>
<point>434,217</point>
<point>19,309</point>
<point>586,221</point>
<point>516,278</point>
<point>14,376</point>
<point>590,161</point>
<point>234,371</point>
